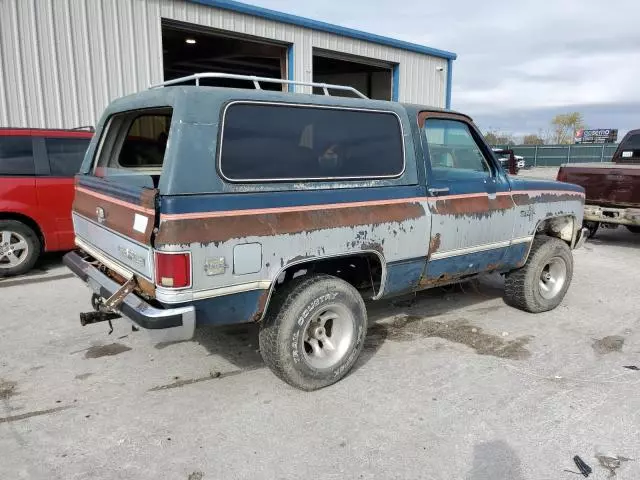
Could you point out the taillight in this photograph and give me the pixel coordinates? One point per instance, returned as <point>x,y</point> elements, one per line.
<point>173,270</point>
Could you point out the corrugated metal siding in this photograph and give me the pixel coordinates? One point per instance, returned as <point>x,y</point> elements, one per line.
<point>62,61</point>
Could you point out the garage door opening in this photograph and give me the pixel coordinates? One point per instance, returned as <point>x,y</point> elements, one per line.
<point>373,79</point>
<point>189,49</point>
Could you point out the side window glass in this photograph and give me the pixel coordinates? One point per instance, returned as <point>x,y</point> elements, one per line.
<point>66,155</point>
<point>453,151</point>
<point>16,156</point>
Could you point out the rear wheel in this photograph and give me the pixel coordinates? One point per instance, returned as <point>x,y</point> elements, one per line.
<point>20,248</point>
<point>542,283</point>
<point>314,331</point>
<point>633,228</point>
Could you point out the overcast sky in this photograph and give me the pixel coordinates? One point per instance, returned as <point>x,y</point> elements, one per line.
<point>519,62</point>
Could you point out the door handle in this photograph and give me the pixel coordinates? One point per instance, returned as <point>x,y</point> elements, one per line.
<point>438,191</point>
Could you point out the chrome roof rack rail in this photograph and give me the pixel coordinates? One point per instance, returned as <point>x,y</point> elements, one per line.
<point>256,82</point>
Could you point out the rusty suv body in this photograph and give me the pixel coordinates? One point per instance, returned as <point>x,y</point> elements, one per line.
<point>198,205</point>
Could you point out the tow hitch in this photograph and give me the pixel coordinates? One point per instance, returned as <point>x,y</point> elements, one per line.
<point>105,310</point>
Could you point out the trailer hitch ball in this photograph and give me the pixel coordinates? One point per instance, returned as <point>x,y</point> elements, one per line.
<point>96,301</point>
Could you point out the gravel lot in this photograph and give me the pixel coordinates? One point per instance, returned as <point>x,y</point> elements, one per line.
<point>452,385</point>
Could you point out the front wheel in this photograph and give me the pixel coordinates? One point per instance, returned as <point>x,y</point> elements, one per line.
<point>314,331</point>
<point>542,283</point>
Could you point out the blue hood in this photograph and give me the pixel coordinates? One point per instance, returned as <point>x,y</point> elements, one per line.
<point>533,184</point>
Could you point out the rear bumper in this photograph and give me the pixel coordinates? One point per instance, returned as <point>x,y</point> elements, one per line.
<point>163,324</point>
<point>621,216</point>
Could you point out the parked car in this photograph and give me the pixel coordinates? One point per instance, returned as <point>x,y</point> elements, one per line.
<point>503,157</point>
<point>290,209</point>
<point>36,192</point>
<point>612,189</point>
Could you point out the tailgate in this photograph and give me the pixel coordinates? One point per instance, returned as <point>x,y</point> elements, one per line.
<point>114,208</point>
<point>605,184</point>
<point>116,220</point>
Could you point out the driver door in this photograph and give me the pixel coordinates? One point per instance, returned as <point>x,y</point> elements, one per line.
<point>470,201</point>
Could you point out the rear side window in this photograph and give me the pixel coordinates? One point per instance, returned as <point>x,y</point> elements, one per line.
<point>285,142</point>
<point>629,149</point>
<point>16,156</point>
<point>133,146</point>
<point>65,155</point>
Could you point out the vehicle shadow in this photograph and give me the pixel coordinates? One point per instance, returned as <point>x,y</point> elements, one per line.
<point>49,267</point>
<point>619,237</point>
<point>398,319</point>
<point>238,344</point>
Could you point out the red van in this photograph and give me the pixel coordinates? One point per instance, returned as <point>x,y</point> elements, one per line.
<point>37,167</point>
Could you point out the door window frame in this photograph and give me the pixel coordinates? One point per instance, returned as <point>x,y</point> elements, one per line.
<point>475,133</point>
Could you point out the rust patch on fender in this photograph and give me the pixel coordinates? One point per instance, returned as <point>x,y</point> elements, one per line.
<point>522,199</point>
<point>480,204</point>
<point>226,227</point>
<point>444,279</point>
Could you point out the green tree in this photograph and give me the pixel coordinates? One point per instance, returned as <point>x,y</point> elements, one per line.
<point>498,138</point>
<point>564,127</point>
<point>533,139</point>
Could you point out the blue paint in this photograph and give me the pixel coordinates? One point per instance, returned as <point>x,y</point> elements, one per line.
<point>505,259</point>
<point>449,82</point>
<point>403,276</point>
<point>242,201</point>
<point>462,265</point>
<point>290,68</point>
<point>128,192</point>
<point>395,83</point>
<point>516,256</point>
<point>323,27</point>
<point>525,184</point>
<point>228,309</point>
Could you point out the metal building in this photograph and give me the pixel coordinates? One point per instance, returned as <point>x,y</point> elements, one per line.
<point>62,61</point>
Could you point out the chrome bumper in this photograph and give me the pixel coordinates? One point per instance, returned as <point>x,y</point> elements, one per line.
<point>163,325</point>
<point>620,216</point>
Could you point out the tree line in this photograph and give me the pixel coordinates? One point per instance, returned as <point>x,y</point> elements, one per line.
<point>562,130</point>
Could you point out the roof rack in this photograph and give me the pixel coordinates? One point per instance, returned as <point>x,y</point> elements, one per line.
<point>256,82</point>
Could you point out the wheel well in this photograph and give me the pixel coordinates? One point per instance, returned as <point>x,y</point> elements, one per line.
<point>363,270</point>
<point>562,227</point>
<point>27,221</point>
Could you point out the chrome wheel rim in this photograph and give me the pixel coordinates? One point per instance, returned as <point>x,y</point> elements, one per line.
<point>328,336</point>
<point>14,249</point>
<point>552,278</point>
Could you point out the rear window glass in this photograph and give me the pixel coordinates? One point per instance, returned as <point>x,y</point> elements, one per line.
<point>16,156</point>
<point>66,155</point>
<point>631,143</point>
<point>133,146</point>
<point>284,142</point>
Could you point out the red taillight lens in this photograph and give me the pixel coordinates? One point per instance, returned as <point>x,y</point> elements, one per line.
<point>173,270</point>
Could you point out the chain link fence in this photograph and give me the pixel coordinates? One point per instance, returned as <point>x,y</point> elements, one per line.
<point>555,155</point>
